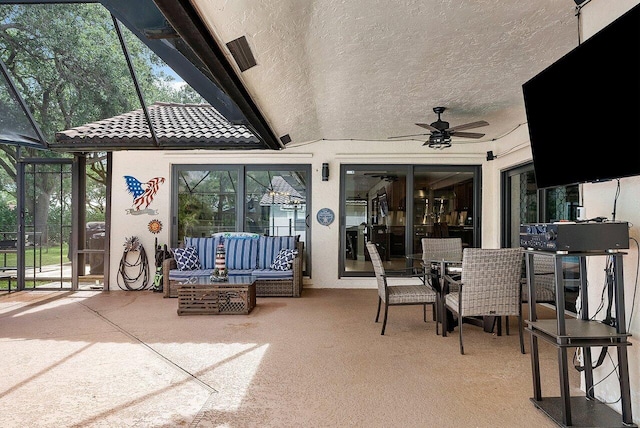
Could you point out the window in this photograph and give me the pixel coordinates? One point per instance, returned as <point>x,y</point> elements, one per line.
<point>206,202</point>
<point>523,203</point>
<point>269,200</point>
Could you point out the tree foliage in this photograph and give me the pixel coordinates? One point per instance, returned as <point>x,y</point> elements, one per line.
<point>68,65</point>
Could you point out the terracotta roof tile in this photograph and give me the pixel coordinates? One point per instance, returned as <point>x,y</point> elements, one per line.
<point>177,126</point>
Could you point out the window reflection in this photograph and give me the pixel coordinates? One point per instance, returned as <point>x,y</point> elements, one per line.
<point>206,202</point>
<point>276,203</point>
<point>443,206</point>
<point>528,205</point>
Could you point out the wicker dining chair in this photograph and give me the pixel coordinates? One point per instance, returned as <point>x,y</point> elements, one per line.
<point>489,286</point>
<point>411,291</point>
<point>544,277</point>
<point>439,249</point>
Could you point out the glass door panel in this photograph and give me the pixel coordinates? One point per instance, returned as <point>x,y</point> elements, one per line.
<point>525,204</point>
<point>206,202</point>
<point>443,205</point>
<point>46,225</point>
<point>268,200</point>
<point>276,202</point>
<point>375,208</point>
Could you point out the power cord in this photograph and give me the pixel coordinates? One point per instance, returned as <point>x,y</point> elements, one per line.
<point>633,301</point>
<point>635,285</point>
<point>615,200</point>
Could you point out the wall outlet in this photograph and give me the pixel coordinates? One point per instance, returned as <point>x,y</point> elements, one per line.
<point>582,213</point>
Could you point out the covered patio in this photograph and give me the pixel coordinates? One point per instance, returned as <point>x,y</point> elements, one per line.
<point>334,84</point>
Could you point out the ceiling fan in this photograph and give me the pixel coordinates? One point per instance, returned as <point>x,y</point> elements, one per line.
<point>440,135</point>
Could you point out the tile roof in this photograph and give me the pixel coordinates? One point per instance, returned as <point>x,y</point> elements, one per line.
<point>177,126</point>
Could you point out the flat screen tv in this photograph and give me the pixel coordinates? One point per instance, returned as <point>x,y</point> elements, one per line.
<point>583,111</point>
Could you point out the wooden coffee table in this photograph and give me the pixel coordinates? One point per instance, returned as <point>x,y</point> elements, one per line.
<point>200,296</point>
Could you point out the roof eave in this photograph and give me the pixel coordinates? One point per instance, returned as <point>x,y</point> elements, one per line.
<point>109,146</point>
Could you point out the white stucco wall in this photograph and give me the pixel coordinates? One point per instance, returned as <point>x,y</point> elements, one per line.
<point>145,165</point>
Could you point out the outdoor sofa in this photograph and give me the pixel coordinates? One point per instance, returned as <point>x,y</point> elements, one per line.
<point>246,254</point>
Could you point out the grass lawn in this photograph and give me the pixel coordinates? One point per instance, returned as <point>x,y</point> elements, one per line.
<point>49,256</point>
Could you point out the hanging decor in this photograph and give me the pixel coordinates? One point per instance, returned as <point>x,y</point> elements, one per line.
<point>133,272</point>
<point>143,194</point>
<point>325,216</point>
<point>155,226</point>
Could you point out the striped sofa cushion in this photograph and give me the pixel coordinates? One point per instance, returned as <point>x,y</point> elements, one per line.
<point>240,272</point>
<point>206,249</point>
<point>272,274</point>
<point>242,253</point>
<point>270,246</point>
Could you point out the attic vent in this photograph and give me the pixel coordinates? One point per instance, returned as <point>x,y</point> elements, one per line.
<point>241,52</point>
<point>286,139</point>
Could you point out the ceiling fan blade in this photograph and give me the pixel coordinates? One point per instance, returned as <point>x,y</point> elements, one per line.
<point>477,124</point>
<point>406,136</point>
<point>427,126</point>
<point>466,134</point>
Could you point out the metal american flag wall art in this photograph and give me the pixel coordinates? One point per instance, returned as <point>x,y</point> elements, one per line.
<point>143,194</point>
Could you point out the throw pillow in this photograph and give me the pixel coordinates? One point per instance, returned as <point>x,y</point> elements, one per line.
<point>242,253</point>
<point>284,259</point>
<point>187,258</point>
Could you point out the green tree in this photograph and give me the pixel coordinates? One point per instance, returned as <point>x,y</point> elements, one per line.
<point>68,65</point>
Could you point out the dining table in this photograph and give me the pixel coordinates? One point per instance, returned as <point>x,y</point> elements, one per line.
<point>437,269</point>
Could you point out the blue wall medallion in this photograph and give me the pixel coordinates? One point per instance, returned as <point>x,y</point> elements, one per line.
<point>325,216</point>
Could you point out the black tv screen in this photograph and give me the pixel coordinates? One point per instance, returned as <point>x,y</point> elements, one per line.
<point>583,111</point>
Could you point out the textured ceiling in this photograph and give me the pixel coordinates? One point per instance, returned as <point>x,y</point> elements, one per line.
<point>371,69</point>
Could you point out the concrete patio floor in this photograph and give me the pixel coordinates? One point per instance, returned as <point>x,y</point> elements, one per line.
<point>126,359</point>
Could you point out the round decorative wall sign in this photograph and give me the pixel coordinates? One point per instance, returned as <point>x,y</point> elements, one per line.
<point>325,216</point>
<point>155,226</point>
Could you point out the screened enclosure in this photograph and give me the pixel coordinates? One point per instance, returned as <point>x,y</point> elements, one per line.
<point>65,66</point>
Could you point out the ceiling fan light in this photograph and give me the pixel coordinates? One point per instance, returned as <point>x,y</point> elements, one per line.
<point>439,142</point>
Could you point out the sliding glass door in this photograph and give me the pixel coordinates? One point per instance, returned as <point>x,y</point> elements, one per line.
<point>523,203</point>
<point>395,206</point>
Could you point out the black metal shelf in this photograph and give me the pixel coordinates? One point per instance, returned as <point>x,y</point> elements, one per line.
<point>585,412</point>
<point>584,333</point>
<point>577,332</point>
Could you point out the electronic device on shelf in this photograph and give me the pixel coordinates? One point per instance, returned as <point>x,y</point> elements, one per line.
<point>575,237</point>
